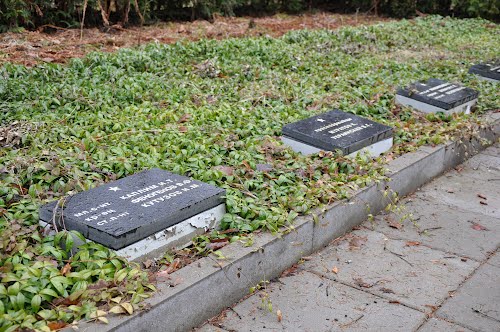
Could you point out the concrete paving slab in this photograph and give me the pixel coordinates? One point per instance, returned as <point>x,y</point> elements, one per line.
<point>441,227</point>
<point>461,190</point>
<point>494,260</point>
<point>477,303</point>
<point>417,276</point>
<point>493,150</point>
<point>435,324</point>
<point>342,216</point>
<point>311,303</point>
<point>210,328</point>
<point>486,164</point>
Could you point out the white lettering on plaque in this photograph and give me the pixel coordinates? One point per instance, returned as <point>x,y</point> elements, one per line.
<point>332,125</point>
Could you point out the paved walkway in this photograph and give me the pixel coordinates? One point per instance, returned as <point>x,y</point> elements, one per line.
<point>438,273</point>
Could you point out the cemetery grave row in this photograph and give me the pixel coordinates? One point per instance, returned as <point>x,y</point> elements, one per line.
<point>148,212</point>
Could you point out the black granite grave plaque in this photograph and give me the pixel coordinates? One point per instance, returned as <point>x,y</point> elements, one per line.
<point>490,70</point>
<point>122,212</point>
<point>337,130</point>
<point>439,93</point>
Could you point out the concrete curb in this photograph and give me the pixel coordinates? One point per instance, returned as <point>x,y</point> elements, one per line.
<point>207,286</point>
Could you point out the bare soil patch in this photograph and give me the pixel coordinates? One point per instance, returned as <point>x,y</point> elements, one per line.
<point>32,47</point>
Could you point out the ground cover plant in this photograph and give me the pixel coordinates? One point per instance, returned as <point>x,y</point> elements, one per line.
<point>212,110</point>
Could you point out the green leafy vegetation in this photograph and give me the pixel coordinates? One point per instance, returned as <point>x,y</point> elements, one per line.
<point>15,14</point>
<point>212,110</point>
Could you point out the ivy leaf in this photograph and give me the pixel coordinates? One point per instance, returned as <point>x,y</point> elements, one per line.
<point>36,301</point>
<point>128,307</point>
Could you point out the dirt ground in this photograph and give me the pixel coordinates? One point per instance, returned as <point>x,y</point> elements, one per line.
<point>54,44</point>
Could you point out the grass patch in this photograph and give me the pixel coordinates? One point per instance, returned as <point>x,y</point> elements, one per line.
<point>212,110</point>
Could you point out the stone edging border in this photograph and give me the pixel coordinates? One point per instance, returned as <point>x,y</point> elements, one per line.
<point>207,286</point>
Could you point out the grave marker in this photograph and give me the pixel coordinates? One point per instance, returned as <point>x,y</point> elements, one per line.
<point>436,95</point>
<point>135,211</point>
<point>489,71</point>
<point>337,130</point>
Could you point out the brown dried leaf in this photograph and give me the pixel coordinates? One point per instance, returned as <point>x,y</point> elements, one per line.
<point>217,245</point>
<point>177,281</point>
<point>356,242</point>
<point>247,165</point>
<point>361,283</point>
<point>290,271</point>
<point>173,266</point>
<point>183,129</point>
<point>184,118</point>
<point>412,243</point>
<point>230,230</point>
<point>228,170</point>
<point>148,263</point>
<point>335,270</point>
<point>393,223</point>
<point>279,314</point>
<point>162,276</point>
<point>54,326</point>
<point>433,307</point>
<point>387,290</point>
<point>66,269</point>
<point>65,301</point>
<point>478,227</point>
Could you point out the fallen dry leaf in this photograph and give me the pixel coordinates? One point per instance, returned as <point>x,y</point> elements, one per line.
<point>478,227</point>
<point>183,129</point>
<point>393,223</point>
<point>387,290</point>
<point>173,266</point>
<point>217,245</point>
<point>335,270</point>
<point>290,271</point>
<point>54,326</point>
<point>280,315</point>
<point>356,242</point>
<point>228,170</point>
<point>230,230</point>
<point>162,276</point>
<point>361,283</point>
<point>247,165</point>
<point>412,243</point>
<point>148,263</point>
<point>184,118</point>
<point>433,307</point>
<point>66,301</point>
<point>66,269</point>
<point>176,282</point>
